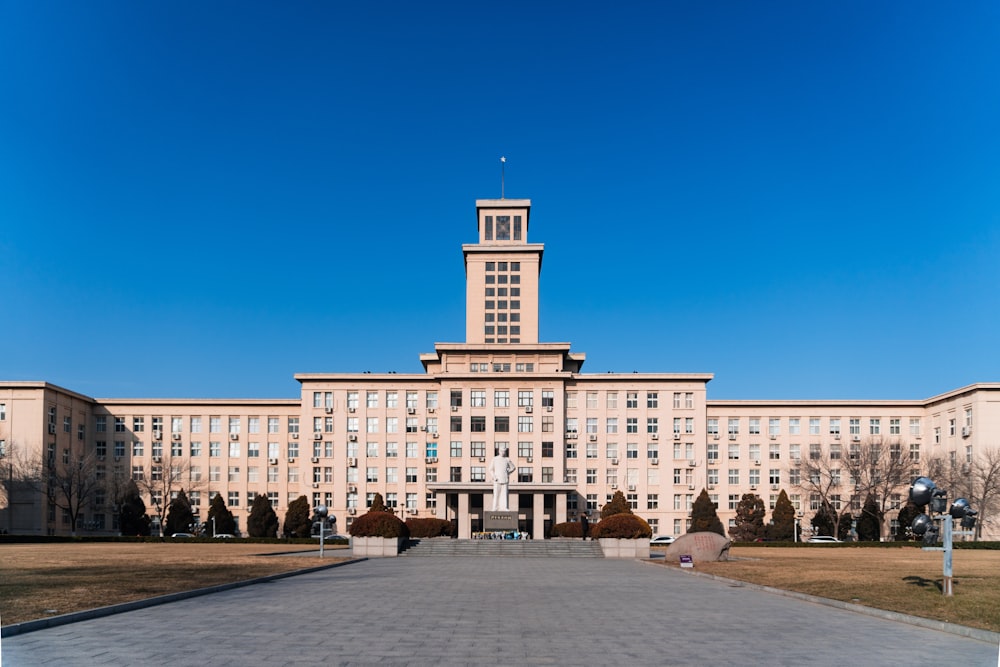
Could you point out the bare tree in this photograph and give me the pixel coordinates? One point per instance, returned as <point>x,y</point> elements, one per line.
<point>167,476</point>
<point>20,480</point>
<point>824,484</point>
<point>985,469</point>
<point>877,468</point>
<point>72,483</point>
<point>977,481</point>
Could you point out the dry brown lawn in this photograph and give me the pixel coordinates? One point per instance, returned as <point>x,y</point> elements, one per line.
<point>39,580</point>
<point>906,580</point>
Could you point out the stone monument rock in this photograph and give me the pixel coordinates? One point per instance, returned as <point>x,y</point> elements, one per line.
<point>703,547</point>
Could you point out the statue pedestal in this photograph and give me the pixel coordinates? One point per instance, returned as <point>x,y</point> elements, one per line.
<point>499,520</point>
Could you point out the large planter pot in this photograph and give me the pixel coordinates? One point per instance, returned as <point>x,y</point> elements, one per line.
<point>377,547</point>
<point>617,548</point>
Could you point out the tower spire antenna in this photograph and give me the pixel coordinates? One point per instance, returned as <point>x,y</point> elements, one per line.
<point>503,163</point>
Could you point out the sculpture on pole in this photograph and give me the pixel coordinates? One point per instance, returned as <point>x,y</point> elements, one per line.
<point>500,469</point>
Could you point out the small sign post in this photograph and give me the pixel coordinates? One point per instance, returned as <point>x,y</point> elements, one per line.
<point>687,561</point>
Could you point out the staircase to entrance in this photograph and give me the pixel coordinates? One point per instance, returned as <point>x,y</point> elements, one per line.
<point>504,548</point>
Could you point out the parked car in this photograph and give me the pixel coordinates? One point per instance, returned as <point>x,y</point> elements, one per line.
<point>661,540</point>
<point>333,538</point>
<point>823,539</point>
<point>182,535</point>
<point>224,536</point>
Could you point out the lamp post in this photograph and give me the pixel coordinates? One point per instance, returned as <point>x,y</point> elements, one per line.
<point>321,512</point>
<point>923,491</point>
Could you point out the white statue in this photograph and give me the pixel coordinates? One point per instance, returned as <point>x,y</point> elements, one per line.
<point>500,469</point>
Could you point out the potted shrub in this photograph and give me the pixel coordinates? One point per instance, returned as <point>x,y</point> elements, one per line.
<point>378,533</point>
<point>621,533</point>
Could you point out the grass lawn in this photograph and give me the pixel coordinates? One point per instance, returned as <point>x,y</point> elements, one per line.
<point>906,580</point>
<point>39,580</point>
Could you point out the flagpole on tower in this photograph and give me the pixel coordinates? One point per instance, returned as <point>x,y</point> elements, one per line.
<point>503,162</point>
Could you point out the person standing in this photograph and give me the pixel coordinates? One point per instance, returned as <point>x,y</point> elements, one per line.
<point>584,525</point>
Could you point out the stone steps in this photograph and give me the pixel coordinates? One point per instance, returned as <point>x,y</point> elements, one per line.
<point>504,548</point>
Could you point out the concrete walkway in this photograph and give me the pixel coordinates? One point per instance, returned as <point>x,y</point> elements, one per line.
<point>497,611</point>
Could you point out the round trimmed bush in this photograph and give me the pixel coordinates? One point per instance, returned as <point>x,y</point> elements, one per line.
<point>622,526</point>
<point>379,524</point>
<point>429,527</point>
<point>567,529</point>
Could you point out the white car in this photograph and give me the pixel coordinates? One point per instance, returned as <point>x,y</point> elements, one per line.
<point>662,540</point>
<point>823,539</point>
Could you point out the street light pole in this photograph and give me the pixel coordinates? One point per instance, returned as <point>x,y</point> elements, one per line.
<point>321,512</point>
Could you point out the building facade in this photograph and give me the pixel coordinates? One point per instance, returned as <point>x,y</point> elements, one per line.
<point>424,441</point>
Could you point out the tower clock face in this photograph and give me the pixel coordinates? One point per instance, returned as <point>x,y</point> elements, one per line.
<point>503,228</point>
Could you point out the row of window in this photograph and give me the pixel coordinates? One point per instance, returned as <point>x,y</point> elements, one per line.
<point>195,424</point>
<point>814,425</point>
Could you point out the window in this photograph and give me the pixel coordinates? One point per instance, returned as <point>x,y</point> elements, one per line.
<point>652,399</point>
<point>734,476</point>
<point>734,426</point>
<point>875,426</point>
<point>894,426</point>
<point>713,425</point>
<point>570,476</point>
<point>774,426</point>
<point>689,425</point>
<point>632,450</point>
<point>119,424</point>
<point>525,474</point>
<point>371,399</point>
<point>631,399</point>
<point>525,399</point>
<point>477,398</point>
<point>501,424</point>
<point>501,399</point>
<point>548,450</point>
<point>253,425</point>
<point>524,424</point>
<point>571,399</point>
<point>677,400</point>
<point>631,425</point>
<point>755,426</point>
<point>713,452</point>
<point>272,424</point>
<point>570,450</point>
<point>734,452</point>
<point>293,424</point>
<point>915,426</point>
<point>793,426</point>
<point>774,451</point>
<point>835,426</point>
<point>138,424</point>
<point>689,399</point>
<point>814,426</point>
<point>455,474</point>
<point>854,424</point>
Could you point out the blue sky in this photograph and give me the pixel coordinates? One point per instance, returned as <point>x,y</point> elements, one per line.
<point>202,199</point>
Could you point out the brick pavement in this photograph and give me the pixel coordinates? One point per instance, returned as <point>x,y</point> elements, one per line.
<point>494,611</point>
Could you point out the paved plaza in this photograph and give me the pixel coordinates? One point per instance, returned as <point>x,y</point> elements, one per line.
<point>494,611</point>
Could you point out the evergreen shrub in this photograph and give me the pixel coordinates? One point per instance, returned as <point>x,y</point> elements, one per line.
<point>622,526</point>
<point>379,524</point>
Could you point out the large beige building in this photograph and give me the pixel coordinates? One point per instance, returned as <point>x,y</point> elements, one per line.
<point>424,440</point>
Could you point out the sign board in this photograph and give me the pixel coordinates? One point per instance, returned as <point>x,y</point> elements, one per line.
<point>687,561</point>
<point>501,520</point>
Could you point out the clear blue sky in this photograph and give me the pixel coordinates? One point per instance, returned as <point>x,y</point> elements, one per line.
<point>202,199</point>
